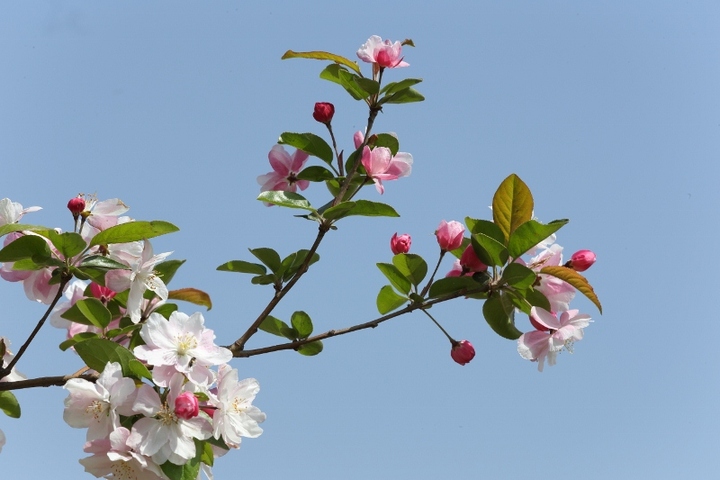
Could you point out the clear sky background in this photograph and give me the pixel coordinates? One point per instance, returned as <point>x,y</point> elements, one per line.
<point>609,111</point>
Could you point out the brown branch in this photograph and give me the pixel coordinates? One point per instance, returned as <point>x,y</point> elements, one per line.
<point>58,381</point>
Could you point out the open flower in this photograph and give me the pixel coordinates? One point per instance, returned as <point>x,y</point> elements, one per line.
<point>113,456</point>
<point>236,416</point>
<point>380,165</point>
<point>385,54</point>
<point>12,212</point>
<point>285,170</point>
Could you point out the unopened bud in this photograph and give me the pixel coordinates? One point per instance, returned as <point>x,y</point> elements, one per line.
<point>324,112</point>
<point>582,260</point>
<point>462,352</point>
<point>470,261</point>
<point>186,406</point>
<point>76,206</point>
<point>400,243</point>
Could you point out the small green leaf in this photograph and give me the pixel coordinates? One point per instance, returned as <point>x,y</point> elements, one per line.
<point>315,173</point>
<point>512,205</point>
<point>89,311</point>
<point>488,250</point>
<point>102,262</point>
<point>529,234</point>
<point>393,87</point>
<point>166,270</point>
<point>388,300</point>
<point>98,352</point>
<point>310,349</point>
<point>320,55</point>
<point>339,211</point>
<point>264,280</point>
<point>407,95</point>
<point>518,276</point>
<point>274,326</point>
<point>132,232</point>
<point>269,257</point>
<point>388,141</point>
<point>576,280</point>
<point>18,227</point>
<point>485,227</point>
<point>77,338</point>
<point>242,266</point>
<point>353,84</point>
<point>397,279</point>
<point>285,199</point>
<point>537,299</point>
<point>308,143</point>
<point>207,457</point>
<point>363,208</point>
<point>411,266</point>
<point>192,295</point>
<point>451,285</point>
<point>500,314</point>
<point>9,404</point>
<point>302,323</point>
<point>27,246</point>
<point>166,309</point>
<point>292,263</point>
<point>68,244</point>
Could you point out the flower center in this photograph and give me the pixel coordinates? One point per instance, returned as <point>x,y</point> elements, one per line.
<point>124,471</point>
<point>186,343</point>
<point>166,416</point>
<point>237,405</point>
<point>97,409</point>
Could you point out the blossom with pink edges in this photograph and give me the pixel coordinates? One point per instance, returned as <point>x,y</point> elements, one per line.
<point>381,165</point>
<point>385,54</point>
<point>285,169</point>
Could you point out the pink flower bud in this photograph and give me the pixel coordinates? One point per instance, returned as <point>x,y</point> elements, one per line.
<point>104,294</point>
<point>324,112</point>
<point>470,261</point>
<point>400,244</point>
<point>186,406</point>
<point>582,260</point>
<point>462,352</point>
<point>450,235</point>
<point>76,206</point>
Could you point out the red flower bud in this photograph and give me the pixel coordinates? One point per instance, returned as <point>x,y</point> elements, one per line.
<point>582,260</point>
<point>324,112</point>
<point>462,352</point>
<point>400,244</point>
<point>470,261</point>
<point>186,406</point>
<point>76,206</point>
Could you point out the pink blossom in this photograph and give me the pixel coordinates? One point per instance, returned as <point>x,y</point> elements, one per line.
<point>450,235</point>
<point>400,243</point>
<point>236,416</point>
<point>558,292</point>
<point>470,261</point>
<point>381,165</point>
<point>383,53</point>
<point>113,456</point>
<point>582,260</point>
<point>462,352</point>
<point>561,334</point>
<point>285,170</point>
<point>456,270</point>
<point>12,212</point>
<point>186,405</point>
<point>358,139</point>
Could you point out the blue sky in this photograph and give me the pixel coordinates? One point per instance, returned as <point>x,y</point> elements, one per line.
<point>608,111</point>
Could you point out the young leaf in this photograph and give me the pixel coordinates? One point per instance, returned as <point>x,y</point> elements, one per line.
<point>320,55</point>
<point>518,276</point>
<point>393,87</point>
<point>274,326</point>
<point>89,311</point>
<point>302,323</point>
<point>9,404</point>
<point>242,266</point>
<point>269,257</point>
<point>27,246</point>
<point>411,266</point>
<point>500,315</point>
<point>166,270</point>
<point>450,285</point>
<point>576,280</point>
<point>529,234</point>
<point>348,80</point>
<point>512,205</point>
<point>291,264</point>
<point>97,352</point>
<point>397,279</point>
<point>132,232</point>
<point>485,227</point>
<point>102,262</point>
<point>308,143</point>
<point>388,300</point>
<point>488,250</point>
<point>77,338</point>
<point>192,295</point>
<point>363,208</point>
<point>285,199</point>
<point>68,244</point>
<point>388,141</point>
<point>407,95</point>
<point>18,227</point>
<point>310,349</point>
<point>315,173</point>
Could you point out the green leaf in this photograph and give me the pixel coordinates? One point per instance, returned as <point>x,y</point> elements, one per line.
<point>18,227</point>
<point>292,263</point>
<point>363,208</point>
<point>192,295</point>
<point>339,211</point>
<point>302,323</point>
<point>166,309</point>
<point>451,285</point>
<point>285,199</point>
<point>242,266</point>
<point>529,234</point>
<point>512,205</point>
<point>388,300</point>
<point>397,279</point>
<point>393,87</point>
<point>166,270</point>
<point>77,338</point>
<point>320,55</point>
<point>207,457</point>
<point>576,280</point>
<point>89,311</point>
<point>485,227</point>
<point>407,95</point>
<point>500,314</point>
<point>68,244</point>
<point>264,280</point>
<point>188,471</point>
<point>9,404</point>
<point>269,257</point>
<point>388,141</point>
<point>101,262</point>
<point>518,276</point>
<point>353,84</point>
<point>315,173</point>
<point>27,246</point>
<point>310,349</point>
<point>488,250</point>
<point>411,266</point>
<point>98,352</point>
<point>274,326</point>
<point>132,232</point>
<point>308,143</point>
<point>537,299</point>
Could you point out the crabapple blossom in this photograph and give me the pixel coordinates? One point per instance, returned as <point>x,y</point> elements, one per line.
<point>98,405</point>
<point>113,456</point>
<point>12,212</point>
<point>285,170</point>
<point>76,205</point>
<point>139,278</point>
<point>324,112</point>
<point>561,334</point>
<point>180,344</point>
<point>462,352</point>
<point>385,54</point>
<point>103,214</point>
<point>235,416</point>
<point>558,292</point>
<point>582,260</point>
<point>450,235</point>
<point>381,165</point>
<point>470,261</point>
<point>186,405</point>
<point>456,270</point>
<point>400,243</point>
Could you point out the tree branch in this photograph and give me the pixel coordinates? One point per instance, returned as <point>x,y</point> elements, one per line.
<point>58,381</point>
